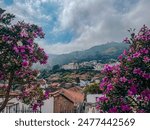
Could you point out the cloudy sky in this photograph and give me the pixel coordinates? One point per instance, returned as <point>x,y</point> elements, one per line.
<point>72,25</point>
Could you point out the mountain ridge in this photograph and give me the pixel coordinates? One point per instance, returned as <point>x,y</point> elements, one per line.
<point>102,52</point>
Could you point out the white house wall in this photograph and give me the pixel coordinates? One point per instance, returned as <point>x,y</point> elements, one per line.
<point>48,106</point>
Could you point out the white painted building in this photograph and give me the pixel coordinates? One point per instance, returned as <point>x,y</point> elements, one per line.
<point>48,106</point>
<point>16,106</point>
<point>98,66</point>
<point>90,106</point>
<point>84,83</point>
<point>71,66</point>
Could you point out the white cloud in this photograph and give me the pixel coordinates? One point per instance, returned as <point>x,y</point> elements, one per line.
<point>92,21</point>
<point>28,10</point>
<point>98,21</point>
<point>139,15</point>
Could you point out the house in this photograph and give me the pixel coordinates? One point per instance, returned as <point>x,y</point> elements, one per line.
<point>90,105</point>
<point>60,101</point>
<point>71,66</point>
<point>84,83</point>
<point>98,67</point>
<point>14,105</point>
<point>64,101</point>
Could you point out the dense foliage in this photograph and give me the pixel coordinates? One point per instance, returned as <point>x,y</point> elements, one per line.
<point>126,86</point>
<point>92,89</point>
<point>18,52</point>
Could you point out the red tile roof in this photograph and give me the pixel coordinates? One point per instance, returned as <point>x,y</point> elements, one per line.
<point>76,97</point>
<point>76,89</point>
<point>73,94</point>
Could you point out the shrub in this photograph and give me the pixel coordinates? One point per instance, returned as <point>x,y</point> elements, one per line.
<point>18,52</point>
<point>126,86</point>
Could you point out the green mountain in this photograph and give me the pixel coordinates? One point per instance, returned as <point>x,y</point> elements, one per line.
<point>104,52</point>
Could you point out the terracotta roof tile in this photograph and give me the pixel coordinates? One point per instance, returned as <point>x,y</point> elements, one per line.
<point>76,97</point>
<point>76,89</point>
<point>73,94</point>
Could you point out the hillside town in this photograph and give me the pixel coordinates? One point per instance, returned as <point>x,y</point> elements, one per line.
<point>64,57</point>
<point>71,90</point>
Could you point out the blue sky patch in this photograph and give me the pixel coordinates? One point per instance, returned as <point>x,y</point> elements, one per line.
<point>8,2</point>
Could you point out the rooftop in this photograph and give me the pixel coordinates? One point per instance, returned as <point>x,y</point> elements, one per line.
<point>73,94</point>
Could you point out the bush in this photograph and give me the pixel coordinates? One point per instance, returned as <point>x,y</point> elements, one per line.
<point>126,87</point>
<point>18,52</point>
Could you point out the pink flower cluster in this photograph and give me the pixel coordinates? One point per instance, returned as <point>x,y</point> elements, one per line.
<point>139,72</point>
<point>37,105</point>
<point>143,35</point>
<point>17,55</point>
<point>34,95</point>
<point>126,87</point>
<point>27,52</point>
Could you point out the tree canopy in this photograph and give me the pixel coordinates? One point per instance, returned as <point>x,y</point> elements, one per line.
<point>126,87</point>
<point>18,52</point>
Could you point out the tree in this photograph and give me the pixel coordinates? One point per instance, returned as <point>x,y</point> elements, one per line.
<point>18,52</point>
<point>56,67</point>
<point>92,89</point>
<point>126,86</point>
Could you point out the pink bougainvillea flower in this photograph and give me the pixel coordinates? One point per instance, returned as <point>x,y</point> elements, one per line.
<point>123,79</point>
<point>107,68</point>
<point>120,57</point>
<point>103,99</point>
<point>113,110</point>
<point>137,71</point>
<point>24,33</point>
<point>17,72</point>
<point>97,106</point>
<point>102,85</point>
<point>16,49</point>
<point>125,108</point>
<point>144,51</point>
<point>46,94</point>
<point>146,93</point>
<point>25,63</point>
<point>30,41</point>
<point>22,49</point>
<point>35,107</point>
<point>146,59</point>
<point>110,87</point>
<point>125,52</point>
<point>146,76</point>
<point>129,58</point>
<point>30,49</point>
<point>132,90</point>
<point>136,55</point>
<point>35,34</point>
